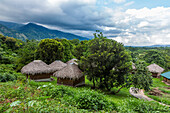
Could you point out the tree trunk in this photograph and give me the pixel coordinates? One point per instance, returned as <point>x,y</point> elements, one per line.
<point>119,89</point>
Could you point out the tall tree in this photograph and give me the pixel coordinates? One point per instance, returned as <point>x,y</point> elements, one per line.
<point>107,62</point>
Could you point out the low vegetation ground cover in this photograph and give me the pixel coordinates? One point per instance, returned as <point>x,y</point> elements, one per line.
<point>159,91</point>
<point>19,96</point>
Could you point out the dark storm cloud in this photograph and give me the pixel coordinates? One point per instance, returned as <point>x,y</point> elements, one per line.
<point>68,14</point>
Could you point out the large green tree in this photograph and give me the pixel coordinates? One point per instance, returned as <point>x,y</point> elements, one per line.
<point>50,50</point>
<point>107,62</point>
<point>81,49</point>
<point>68,49</point>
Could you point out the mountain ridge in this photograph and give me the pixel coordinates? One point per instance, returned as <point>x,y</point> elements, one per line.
<point>34,31</point>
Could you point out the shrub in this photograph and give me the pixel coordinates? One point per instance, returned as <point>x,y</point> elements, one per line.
<point>93,101</point>
<point>4,77</point>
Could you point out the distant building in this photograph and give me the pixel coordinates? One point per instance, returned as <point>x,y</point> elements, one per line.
<point>166,77</point>
<point>155,69</point>
<point>37,70</point>
<point>70,75</point>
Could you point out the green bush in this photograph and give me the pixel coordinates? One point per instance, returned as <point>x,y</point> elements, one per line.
<point>141,106</point>
<point>4,77</point>
<point>53,91</point>
<point>93,101</point>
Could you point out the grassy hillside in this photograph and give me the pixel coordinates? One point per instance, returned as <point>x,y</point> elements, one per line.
<point>48,97</point>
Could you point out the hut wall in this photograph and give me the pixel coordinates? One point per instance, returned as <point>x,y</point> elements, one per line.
<point>39,76</point>
<point>168,81</point>
<point>76,81</point>
<point>65,81</point>
<point>165,79</point>
<point>156,75</point>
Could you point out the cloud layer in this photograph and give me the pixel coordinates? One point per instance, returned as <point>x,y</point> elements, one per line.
<point>131,27</point>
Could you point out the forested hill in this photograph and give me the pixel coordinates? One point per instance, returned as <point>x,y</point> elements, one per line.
<point>33,31</point>
<point>11,33</point>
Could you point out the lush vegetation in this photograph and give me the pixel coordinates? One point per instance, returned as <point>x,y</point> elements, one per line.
<point>35,97</point>
<point>106,63</point>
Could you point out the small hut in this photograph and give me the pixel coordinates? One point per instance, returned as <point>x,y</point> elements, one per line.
<point>72,61</point>
<point>155,69</point>
<point>70,75</point>
<point>166,77</point>
<point>57,65</point>
<point>36,70</point>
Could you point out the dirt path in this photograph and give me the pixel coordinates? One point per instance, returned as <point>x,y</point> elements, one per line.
<point>141,95</point>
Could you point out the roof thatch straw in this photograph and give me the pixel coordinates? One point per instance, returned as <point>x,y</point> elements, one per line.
<point>70,71</point>
<point>154,68</point>
<point>57,65</point>
<point>72,61</point>
<point>36,67</point>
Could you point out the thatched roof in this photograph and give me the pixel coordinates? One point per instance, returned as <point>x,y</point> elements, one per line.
<point>72,61</point>
<point>35,67</point>
<point>57,65</point>
<point>154,68</point>
<point>70,71</point>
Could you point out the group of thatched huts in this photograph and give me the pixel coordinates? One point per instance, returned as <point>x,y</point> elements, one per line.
<point>69,73</point>
<point>66,73</point>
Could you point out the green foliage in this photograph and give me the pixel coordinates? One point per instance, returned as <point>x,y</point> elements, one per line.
<point>68,49</point>
<point>4,77</point>
<point>142,77</point>
<point>154,56</point>
<point>50,50</point>
<point>94,101</point>
<point>140,106</point>
<point>81,49</point>
<point>26,54</point>
<point>107,62</point>
<point>75,41</point>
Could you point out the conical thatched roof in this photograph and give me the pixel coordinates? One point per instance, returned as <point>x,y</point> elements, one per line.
<point>72,61</point>
<point>154,68</point>
<point>57,65</point>
<point>70,71</point>
<point>35,67</point>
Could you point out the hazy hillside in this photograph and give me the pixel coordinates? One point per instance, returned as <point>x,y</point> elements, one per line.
<point>11,25</point>
<point>11,33</point>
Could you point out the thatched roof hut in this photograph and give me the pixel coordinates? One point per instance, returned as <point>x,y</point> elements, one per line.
<point>35,67</point>
<point>72,61</point>
<point>70,71</point>
<point>154,68</point>
<point>57,65</point>
<point>70,75</point>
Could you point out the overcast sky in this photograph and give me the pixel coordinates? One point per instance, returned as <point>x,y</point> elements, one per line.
<point>132,22</point>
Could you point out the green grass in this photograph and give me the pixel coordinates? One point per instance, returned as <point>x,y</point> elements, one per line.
<point>157,82</point>
<point>165,98</point>
<point>164,90</point>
